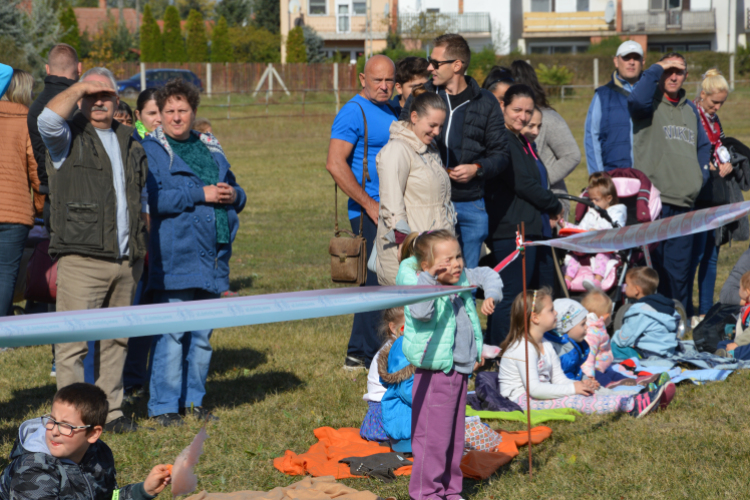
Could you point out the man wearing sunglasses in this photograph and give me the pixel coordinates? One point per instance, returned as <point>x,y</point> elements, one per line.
<point>472,143</point>
<point>608,136</point>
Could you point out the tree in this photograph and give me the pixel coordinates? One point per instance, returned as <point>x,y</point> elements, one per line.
<point>236,12</point>
<point>152,48</point>
<point>69,28</point>
<point>158,7</point>
<point>267,14</point>
<point>296,51</point>
<point>221,47</point>
<point>253,44</point>
<point>197,43</point>
<point>314,45</point>
<point>205,7</point>
<point>174,45</point>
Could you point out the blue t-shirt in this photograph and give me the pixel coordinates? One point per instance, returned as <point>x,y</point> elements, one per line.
<point>349,126</point>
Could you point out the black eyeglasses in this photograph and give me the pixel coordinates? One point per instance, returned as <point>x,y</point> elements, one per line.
<point>436,64</point>
<point>64,429</point>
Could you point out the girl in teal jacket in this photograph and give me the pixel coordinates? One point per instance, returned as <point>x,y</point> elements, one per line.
<point>443,340</point>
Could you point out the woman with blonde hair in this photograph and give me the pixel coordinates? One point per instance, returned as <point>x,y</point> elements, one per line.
<point>725,183</point>
<point>19,177</point>
<point>20,88</point>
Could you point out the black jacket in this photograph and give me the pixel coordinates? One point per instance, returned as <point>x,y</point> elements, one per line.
<point>517,195</point>
<point>53,85</point>
<point>484,139</point>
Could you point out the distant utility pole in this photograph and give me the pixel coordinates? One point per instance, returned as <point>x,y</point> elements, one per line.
<point>368,30</point>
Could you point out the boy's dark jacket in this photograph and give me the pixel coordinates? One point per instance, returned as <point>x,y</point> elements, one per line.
<point>34,474</point>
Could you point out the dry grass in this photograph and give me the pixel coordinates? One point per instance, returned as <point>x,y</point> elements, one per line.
<point>273,384</point>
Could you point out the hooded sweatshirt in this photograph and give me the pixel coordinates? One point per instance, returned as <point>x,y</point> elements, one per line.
<point>650,326</point>
<point>34,474</point>
<point>669,144</point>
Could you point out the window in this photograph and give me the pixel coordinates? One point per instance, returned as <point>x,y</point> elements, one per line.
<point>674,4</point>
<point>433,11</point>
<point>541,5</point>
<point>318,8</point>
<point>582,5</point>
<point>699,47</point>
<point>359,8</point>
<point>562,49</point>
<point>656,4</point>
<point>343,18</point>
<point>539,50</point>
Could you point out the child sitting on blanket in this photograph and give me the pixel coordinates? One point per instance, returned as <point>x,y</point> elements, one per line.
<point>739,348</point>
<point>60,455</point>
<point>649,327</point>
<point>397,375</point>
<point>391,328</point>
<point>568,337</point>
<point>603,193</point>
<point>599,307</point>
<point>548,386</point>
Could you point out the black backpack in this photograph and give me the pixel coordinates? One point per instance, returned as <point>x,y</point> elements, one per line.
<point>713,328</point>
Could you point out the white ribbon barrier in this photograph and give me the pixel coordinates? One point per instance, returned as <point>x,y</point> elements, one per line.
<point>138,321</point>
<point>612,240</point>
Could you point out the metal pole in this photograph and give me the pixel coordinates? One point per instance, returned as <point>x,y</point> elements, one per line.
<point>731,71</point>
<point>596,73</point>
<point>336,84</point>
<point>526,319</point>
<point>229,104</point>
<point>143,76</point>
<point>270,84</point>
<point>209,80</point>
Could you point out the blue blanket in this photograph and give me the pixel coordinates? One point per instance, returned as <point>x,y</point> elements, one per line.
<point>687,353</point>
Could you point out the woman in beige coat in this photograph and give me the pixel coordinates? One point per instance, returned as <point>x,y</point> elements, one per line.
<point>415,190</point>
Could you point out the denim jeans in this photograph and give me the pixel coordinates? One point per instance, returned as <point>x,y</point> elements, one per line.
<point>705,260</point>
<point>12,242</point>
<point>672,260</point>
<point>364,341</point>
<point>136,371</point>
<point>472,227</point>
<point>180,365</point>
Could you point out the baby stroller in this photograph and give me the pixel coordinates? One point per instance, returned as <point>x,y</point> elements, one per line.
<point>643,202</point>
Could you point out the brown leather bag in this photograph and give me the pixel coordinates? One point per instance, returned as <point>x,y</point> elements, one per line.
<point>349,252</point>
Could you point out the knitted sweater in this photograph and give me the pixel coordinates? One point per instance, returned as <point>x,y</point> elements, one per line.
<point>18,175</point>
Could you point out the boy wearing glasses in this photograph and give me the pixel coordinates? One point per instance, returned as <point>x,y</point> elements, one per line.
<point>60,456</point>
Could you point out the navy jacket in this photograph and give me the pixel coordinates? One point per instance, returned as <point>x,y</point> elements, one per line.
<point>183,252</point>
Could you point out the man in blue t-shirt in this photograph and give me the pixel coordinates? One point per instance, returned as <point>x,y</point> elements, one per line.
<point>345,155</point>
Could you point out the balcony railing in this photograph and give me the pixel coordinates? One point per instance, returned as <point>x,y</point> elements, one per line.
<point>669,20</point>
<point>561,22</point>
<point>427,22</point>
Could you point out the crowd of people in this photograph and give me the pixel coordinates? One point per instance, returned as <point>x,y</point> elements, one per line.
<point>143,203</point>
<point>458,167</point>
<point>142,207</point>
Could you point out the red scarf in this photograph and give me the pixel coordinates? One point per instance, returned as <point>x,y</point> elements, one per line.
<point>712,128</point>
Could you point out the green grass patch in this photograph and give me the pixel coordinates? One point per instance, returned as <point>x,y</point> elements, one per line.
<point>272,385</point>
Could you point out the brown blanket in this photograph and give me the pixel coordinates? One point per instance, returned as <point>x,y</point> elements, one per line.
<point>310,488</point>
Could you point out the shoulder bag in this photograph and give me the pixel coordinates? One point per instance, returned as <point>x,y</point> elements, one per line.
<point>348,251</point>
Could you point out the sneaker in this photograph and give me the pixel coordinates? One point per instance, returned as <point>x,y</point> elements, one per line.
<point>133,394</point>
<point>53,373</point>
<point>646,401</point>
<point>592,285</point>
<point>351,364</point>
<point>723,353</point>
<point>121,425</point>
<point>169,419</point>
<point>669,391</point>
<point>664,378</point>
<point>229,294</point>
<point>200,413</point>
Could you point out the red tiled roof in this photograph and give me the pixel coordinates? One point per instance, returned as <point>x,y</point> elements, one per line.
<point>92,19</point>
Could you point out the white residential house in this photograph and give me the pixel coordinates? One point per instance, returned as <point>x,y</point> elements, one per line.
<point>570,26</point>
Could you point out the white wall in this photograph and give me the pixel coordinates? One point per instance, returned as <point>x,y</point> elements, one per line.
<point>702,4</point>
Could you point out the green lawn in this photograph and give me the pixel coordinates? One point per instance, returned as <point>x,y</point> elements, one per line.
<point>271,385</point>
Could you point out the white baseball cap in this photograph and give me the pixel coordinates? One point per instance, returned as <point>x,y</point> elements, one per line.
<point>629,47</point>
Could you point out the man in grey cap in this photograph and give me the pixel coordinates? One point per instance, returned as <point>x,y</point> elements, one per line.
<point>608,136</point>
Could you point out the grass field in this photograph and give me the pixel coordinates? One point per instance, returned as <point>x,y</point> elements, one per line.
<point>272,385</point>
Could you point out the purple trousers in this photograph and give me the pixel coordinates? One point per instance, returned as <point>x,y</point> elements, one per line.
<point>438,416</point>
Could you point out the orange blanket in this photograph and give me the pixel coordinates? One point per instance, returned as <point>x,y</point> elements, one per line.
<point>482,464</point>
<point>322,459</point>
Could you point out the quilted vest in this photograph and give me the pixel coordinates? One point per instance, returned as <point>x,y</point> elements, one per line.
<point>429,344</point>
<point>614,132</point>
<point>83,217</point>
